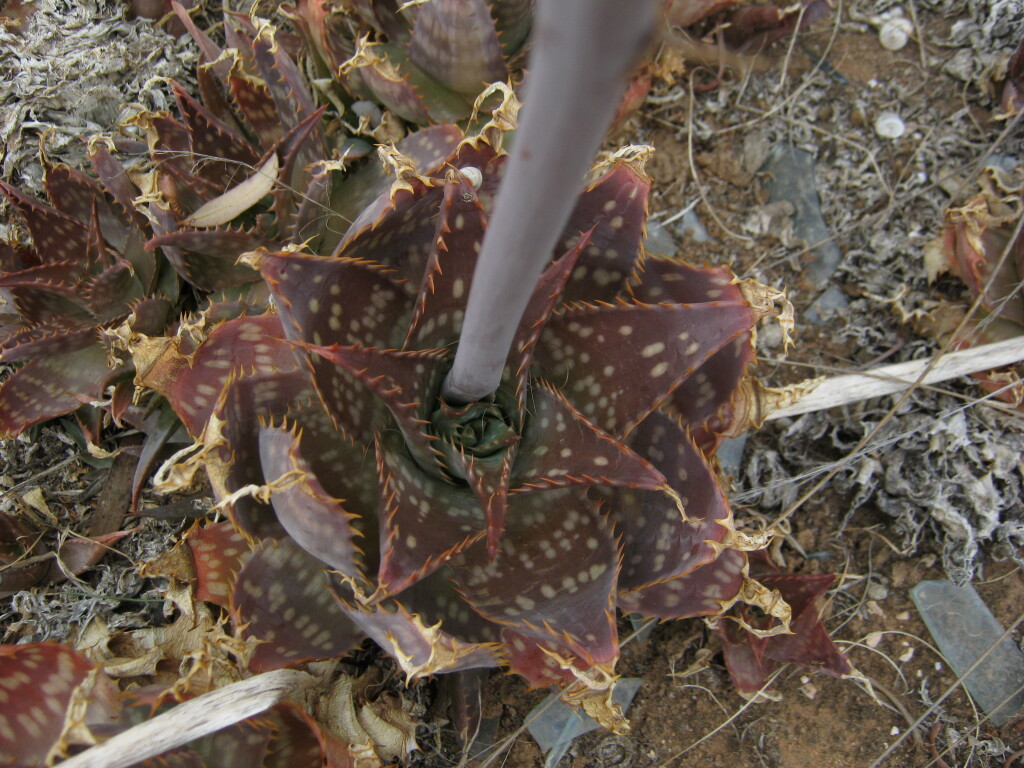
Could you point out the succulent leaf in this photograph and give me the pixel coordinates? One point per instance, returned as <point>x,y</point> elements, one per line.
<point>56,236</point>
<point>74,193</point>
<point>554,576</point>
<point>419,648</point>
<point>424,520</point>
<point>65,307</point>
<point>286,84</point>
<point>449,272</point>
<point>218,552</point>
<point>52,386</point>
<point>561,448</point>
<point>192,378</point>
<point>403,87</point>
<point>646,351</point>
<point>613,210</point>
<point>659,544</point>
<point>211,255</point>
<point>39,681</point>
<point>706,591</point>
<point>457,43</point>
<point>512,19</point>
<point>316,521</point>
<point>401,381</point>
<point>752,658</point>
<point>219,154</point>
<point>40,341</point>
<point>282,594</point>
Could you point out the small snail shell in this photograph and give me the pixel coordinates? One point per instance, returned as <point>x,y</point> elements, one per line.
<point>473,176</point>
<point>889,125</point>
<point>895,32</point>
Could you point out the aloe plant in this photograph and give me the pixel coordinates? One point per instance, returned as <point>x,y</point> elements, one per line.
<point>429,61</point>
<point>86,270</point>
<point>96,256</point>
<point>504,516</point>
<point>751,658</point>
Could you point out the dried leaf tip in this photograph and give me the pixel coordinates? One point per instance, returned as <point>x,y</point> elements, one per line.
<point>633,156</point>
<point>238,199</point>
<point>764,301</point>
<point>504,117</point>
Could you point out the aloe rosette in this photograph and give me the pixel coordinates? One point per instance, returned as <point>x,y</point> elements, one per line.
<point>120,242</point>
<point>255,131</point>
<point>85,271</point>
<point>506,531</point>
<point>425,62</point>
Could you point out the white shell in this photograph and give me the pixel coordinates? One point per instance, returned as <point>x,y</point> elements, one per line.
<point>473,176</point>
<point>895,32</point>
<point>889,125</point>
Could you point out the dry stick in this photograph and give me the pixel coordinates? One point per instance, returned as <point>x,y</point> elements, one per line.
<point>890,379</point>
<point>583,50</point>
<point>189,721</point>
<point>696,177</point>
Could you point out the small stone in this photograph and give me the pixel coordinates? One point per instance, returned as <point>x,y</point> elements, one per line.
<point>878,592</point>
<point>889,125</point>
<point>692,228</point>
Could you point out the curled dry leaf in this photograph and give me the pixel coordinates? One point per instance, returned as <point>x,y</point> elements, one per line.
<point>237,200</point>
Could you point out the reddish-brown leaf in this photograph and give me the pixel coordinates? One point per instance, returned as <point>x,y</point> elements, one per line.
<point>637,354</point>
<point>38,680</point>
<point>218,553</point>
<point>282,594</point>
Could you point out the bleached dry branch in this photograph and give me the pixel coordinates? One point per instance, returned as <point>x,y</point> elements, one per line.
<point>890,379</point>
<point>191,720</point>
